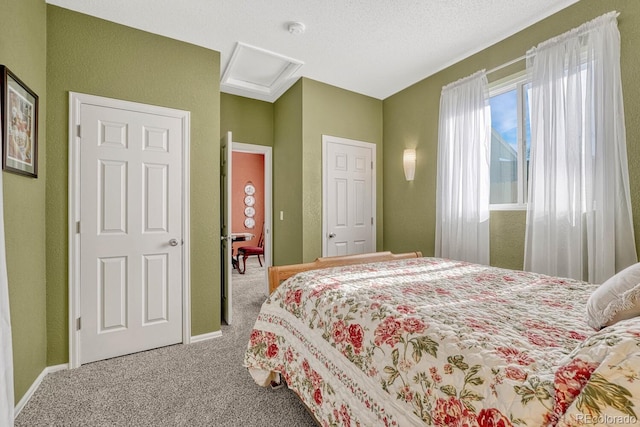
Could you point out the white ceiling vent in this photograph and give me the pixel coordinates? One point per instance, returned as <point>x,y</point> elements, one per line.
<point>258,73</point>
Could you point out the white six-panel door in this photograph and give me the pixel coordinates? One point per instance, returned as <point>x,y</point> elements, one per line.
<point>130,231</point>
<point>349,196</point>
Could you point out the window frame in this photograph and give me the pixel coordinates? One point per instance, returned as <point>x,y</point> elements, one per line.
<point>516,81</point>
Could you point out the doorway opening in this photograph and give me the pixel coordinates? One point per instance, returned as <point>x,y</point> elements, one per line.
<point>247,208</point>
<point>247,218</point>
<point>252,212</point>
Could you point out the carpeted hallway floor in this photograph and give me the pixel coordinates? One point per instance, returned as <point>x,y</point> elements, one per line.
<point>202,384</point>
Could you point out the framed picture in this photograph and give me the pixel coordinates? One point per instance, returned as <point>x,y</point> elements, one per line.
<point>19,112</point>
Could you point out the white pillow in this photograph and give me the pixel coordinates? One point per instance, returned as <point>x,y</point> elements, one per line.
<point>616,299</point>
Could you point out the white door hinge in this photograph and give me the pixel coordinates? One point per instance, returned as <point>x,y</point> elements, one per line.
<point>78,324</point>
<point>78,131</point>
<point>78,227</point>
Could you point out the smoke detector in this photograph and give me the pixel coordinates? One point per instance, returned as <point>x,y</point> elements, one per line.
<point>296,28</point>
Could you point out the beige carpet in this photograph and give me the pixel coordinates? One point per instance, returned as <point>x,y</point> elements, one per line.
<point>202,384</point>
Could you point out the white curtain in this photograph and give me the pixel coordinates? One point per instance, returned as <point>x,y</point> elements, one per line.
<point>6,354</point>
<point>579,221</point>
<point>464,146</point>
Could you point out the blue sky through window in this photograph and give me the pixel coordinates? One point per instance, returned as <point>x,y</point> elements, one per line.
<point>504,116</point>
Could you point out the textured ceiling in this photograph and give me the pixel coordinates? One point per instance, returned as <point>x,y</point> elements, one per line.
<point>373,47</point>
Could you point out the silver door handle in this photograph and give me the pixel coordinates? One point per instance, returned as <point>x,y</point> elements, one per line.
<point>332,235</point>
<point>173,242</point>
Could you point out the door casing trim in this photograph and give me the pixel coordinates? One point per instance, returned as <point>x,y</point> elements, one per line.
<point>76,100</point>
<point>326,139</point>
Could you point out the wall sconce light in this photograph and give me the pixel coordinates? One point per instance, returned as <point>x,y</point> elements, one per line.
<point>409,163</point>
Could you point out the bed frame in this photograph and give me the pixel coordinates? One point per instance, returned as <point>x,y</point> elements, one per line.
<point>277,274</point>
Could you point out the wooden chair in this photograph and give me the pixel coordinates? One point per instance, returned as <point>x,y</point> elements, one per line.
<point>247,251</point>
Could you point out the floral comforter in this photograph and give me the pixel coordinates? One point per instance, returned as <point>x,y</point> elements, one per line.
<point>429,341</point>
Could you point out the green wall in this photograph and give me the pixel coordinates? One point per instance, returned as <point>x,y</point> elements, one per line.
<point>294,126</point>
<point>23,43</point>
<point>411,120</point>
<point>93,56</point>
<point>328,110</point>
<point>287,177</point>
<point>250,120</point>
<point>308,110</point>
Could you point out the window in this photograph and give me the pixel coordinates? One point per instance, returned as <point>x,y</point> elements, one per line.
<point>510,142</point>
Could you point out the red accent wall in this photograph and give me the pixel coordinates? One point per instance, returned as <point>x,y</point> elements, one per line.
<point>247,167</point>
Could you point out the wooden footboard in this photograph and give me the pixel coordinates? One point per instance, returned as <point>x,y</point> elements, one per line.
<point>277,274</point>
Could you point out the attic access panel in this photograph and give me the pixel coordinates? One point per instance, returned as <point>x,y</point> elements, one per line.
<point>258,73</point>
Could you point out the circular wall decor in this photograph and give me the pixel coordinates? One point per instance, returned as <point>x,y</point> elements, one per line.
<point>249,201</point>
<point>249,189</point>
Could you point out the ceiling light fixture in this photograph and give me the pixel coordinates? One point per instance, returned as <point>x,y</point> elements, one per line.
<point>296,28</point>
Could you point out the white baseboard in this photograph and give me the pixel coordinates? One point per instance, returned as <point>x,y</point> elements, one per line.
<point>205,337</point>
<point>34,387</point>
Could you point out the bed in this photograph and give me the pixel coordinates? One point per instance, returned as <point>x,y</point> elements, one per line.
<point>404,340</point>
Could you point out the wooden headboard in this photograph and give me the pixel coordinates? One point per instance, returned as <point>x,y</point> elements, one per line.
<point>279,273</point>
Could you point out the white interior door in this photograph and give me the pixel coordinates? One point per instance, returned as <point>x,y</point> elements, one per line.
<point>226,249</point>
<point>349,196</point>
<point>131,222</point>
